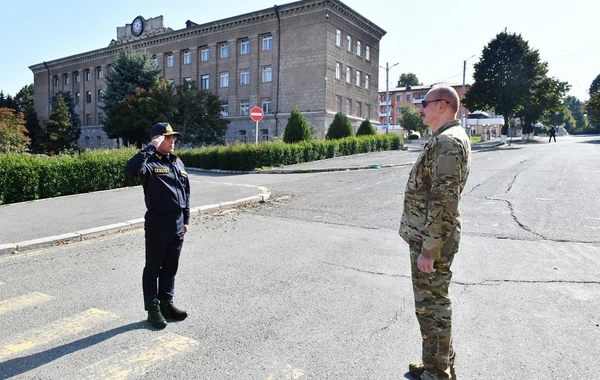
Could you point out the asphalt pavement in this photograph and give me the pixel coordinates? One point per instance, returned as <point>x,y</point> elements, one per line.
<point>47,222</point>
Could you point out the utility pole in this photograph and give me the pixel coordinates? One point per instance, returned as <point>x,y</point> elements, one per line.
<point>462,107</point>
<point>387,94</point>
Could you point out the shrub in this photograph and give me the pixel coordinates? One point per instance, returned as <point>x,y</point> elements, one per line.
<point>365,129</point>
<point>340,127</point>
<point>297,128</point>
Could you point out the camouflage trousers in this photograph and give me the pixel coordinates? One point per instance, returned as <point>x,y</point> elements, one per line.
<point>434,314</point>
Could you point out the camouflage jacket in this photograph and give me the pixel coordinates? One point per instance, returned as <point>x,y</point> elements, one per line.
<point>431,217</point>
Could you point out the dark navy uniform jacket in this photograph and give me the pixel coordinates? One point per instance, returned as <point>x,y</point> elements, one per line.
<point>165,181</point>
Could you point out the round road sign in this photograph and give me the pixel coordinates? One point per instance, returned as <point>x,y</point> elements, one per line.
<point>256,113</point>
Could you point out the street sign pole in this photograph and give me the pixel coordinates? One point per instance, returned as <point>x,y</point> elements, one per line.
<point>256,114</point>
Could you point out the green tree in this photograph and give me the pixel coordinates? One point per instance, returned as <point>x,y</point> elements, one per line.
<point>546,99</point>
<point>198,115</point>
<point>13,134</point>
<point>340,127</point>
<point>593,112</point>
<point>411,120</point>
<point>138,112</point>
<point>559,117</point>
<point>58,125</point>
<point>132,70</point>
<point>8,101</point>
<point>366,129</point>
<point>504,77</point>
<point>75,129</point>
<point>593,106</point>
<point>577,109</point>
<point>297,128</point>
<point>24,99</point>
<point>408,79</point>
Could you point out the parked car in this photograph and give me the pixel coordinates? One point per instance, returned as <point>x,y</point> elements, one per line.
<point>412,135</point>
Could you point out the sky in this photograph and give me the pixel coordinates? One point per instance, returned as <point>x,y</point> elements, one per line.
<point>429,38</point>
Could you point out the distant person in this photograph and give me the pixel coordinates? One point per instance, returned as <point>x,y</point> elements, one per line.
<point>552,133</point>
<point>167,194</point>
<point>431,225</point>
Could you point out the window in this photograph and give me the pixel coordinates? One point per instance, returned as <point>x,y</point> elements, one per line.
<point>66,79</point>
<point>187,57</point>
<point>243,135</point>
<point>367,53</point>
<point>358,48</point>
<point>204,54</point>
<point>267,41</point>
<point>155,60</point>
<point>56,81</point>
<point>188,81</point>
<point>100,95</point>
<point>266,74</point>
<point>100,117</point>
<point>225,109</point>
<point>358,78</point>
<point>348,106</point>
<point>88,119</point>
<point>204,82</point>
<point>245,76</point>
<point>88,97</point>
<point>266,105</point>
<point>170,60</point>
<point>264,134</point>
<point>367,81</point>
<point>77,77</point>
<point>77,97</point>
<point>338,38</point>
<point>100,72</point>
<point>338,103</point>
<point>224,48</point>
<point>358,109</point>
<point>338,70</point>
<point>88,75</point>
<point>244,108</point>
<point>408,97</point>
<point>348,75</point>
<point>349,40</point>
<point>224,79</point>
<point>398,97</point>
<point>368,112</point>
<point>245,46</point>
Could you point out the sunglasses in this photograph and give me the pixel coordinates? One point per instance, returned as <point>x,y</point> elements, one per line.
<point>171,137</point>
<point>425,103</point>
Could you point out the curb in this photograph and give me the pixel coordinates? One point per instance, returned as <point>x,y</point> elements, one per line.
<point>91,233</point>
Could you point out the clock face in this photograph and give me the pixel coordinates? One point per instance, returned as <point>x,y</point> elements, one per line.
<point>137,26</point>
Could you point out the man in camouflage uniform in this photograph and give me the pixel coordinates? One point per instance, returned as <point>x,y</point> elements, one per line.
<point>431,225</point>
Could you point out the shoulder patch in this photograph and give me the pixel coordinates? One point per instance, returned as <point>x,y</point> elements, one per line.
<point>447,164</point>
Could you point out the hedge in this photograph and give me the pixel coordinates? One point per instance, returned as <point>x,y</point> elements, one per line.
<point>25,177</point>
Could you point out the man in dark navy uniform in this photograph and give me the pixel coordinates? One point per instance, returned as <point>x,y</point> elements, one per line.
<point>167,195</point>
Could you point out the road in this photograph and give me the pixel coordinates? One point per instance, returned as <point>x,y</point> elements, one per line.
<point>315,284</point>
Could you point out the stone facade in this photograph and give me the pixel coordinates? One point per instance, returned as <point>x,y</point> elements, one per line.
<point>317,56</point>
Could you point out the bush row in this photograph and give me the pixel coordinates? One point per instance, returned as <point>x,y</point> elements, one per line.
<point>25,177</point>
<point>245,157</point>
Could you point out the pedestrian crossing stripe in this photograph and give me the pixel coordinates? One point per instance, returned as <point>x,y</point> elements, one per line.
<point>21,302</point>
<point>138,360</point>
<point>65,327</point>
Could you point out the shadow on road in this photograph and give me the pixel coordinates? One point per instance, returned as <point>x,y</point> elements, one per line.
<point>17,366</point>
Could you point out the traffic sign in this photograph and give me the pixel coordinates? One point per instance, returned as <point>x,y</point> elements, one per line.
<point>256,114</point>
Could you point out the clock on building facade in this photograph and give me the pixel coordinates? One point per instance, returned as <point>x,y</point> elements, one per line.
<point>137,26</point>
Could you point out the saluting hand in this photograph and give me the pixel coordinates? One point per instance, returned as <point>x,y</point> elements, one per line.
<point>157,140</point>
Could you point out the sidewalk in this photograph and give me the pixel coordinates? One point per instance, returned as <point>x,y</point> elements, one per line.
<point>46,222</point>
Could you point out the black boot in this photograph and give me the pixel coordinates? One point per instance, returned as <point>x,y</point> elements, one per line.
<point>171,312</point>
<point>155,318</point>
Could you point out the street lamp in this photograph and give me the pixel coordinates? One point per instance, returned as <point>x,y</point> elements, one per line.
<point>387,94</point>
<point>462,112</point>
